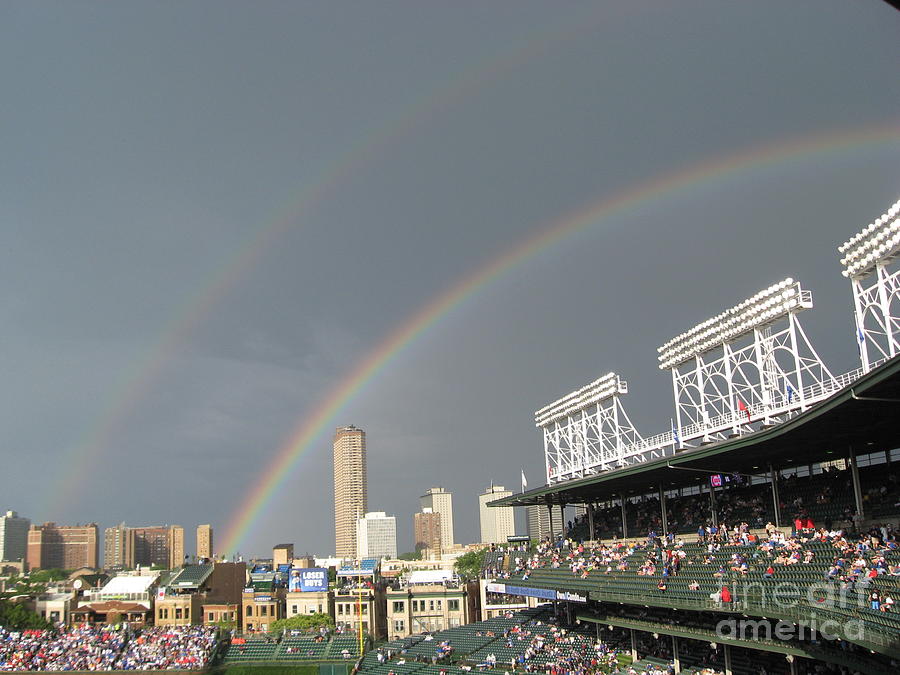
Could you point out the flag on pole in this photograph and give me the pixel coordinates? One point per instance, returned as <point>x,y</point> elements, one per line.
<point>743,408</point>
<point>790,392</point>
<point>524,481</point>
<point>675,438</point>
<point>860,336</point>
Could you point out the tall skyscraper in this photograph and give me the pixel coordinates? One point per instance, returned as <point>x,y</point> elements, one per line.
<point>350,491</point>
<point>64,547</point>
<point>176,546</point>
<point>427,531</point>
<point>440,501</point>
<point>376,536</point>
<point>496,523</point>
<point>538,521</point>
<point>204,541</point>
<point>118,547</point>
<point>13,536</point>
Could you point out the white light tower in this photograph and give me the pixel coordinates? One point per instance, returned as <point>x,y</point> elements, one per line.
<point>751,363</point>
<point>867,261</point>
<point>588,431</point>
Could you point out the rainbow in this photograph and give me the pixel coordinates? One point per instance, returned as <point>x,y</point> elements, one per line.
<point>313,425</point>
<point>135,384</point>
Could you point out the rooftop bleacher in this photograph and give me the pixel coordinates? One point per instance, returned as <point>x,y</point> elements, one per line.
<point>191,576</point>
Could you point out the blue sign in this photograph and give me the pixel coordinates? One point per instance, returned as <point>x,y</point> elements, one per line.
<point>542,593</point>
<point>308,580</point>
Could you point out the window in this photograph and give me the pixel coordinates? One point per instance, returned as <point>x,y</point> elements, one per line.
<point>263,610</point>
<point>249,610</point>
<point>187,612</point>
<point>438,604</point>
<point>431,605</point>
<point>340,608</point>
<point>398,606</point>
<point>399,626</point>
<point>177,613</point>
<point>210,617</point>
<point>453,605</point>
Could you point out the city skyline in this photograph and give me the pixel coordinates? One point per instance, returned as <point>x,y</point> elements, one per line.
<point>231,229</point>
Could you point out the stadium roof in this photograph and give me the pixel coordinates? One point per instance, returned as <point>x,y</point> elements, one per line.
<point>862,416</point>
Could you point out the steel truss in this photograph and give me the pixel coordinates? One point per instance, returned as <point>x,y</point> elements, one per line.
<point>757,380</point>
<point>585,439</point>
<point>876,305</point>
<point>870,263</point>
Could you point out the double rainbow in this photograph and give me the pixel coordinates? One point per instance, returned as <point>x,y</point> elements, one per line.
<point>310,429</point>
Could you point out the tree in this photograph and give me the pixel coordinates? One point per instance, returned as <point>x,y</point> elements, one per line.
<point>304,622</point>
<point>469,565</point>
<point>411,555</point>
<point>14,615</point>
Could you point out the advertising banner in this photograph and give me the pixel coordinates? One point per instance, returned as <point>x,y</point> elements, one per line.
<point>308,580</point>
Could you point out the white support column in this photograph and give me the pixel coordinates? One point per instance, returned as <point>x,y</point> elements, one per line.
<point>798,370</point>
<point>678,424</point>
<point>859,334</point>
<point>885,306</point>
<point>701,387</point>
<point>676,659</point>
<point>729,378</point>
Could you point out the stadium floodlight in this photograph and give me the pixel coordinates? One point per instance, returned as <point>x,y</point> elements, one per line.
<point>762,309</point>
<point>600,389</point>
<point>877,242</point>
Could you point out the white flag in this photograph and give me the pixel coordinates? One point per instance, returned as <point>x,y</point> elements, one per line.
<point>524,482</point>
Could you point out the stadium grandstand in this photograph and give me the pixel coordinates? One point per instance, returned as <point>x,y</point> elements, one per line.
<point>757,533</point>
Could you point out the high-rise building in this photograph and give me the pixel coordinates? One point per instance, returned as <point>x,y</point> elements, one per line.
<point>65,547</point>
<point>376,536</point>
<point>118,547</point>
<point>176,546</point>
<point>496,523</point>
<point>440,501</point>
<point>538,518</point>
<point>427,531</point>
<point>350,491</point>
<point>13,536</point>
<point>204,541</point>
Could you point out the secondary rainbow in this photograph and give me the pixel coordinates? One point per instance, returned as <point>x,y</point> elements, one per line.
<point>73,470</point>
<point>312,426</point>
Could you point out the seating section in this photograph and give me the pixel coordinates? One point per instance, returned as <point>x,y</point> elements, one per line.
<point>293,646</point>
<point>191,575</point>
<point>251,649</point>
<point>633,574</point>
<point>825,498</point>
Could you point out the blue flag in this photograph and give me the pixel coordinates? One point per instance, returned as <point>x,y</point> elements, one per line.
<point>675,433</point>
<point>790,392</point>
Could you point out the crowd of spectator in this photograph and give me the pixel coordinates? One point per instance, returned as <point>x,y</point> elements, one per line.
<point>99,648</point>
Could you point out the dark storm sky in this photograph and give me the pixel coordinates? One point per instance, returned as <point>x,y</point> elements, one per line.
<point>211,211</point>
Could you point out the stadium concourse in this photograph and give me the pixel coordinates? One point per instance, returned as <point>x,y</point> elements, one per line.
<point>773,551</point>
